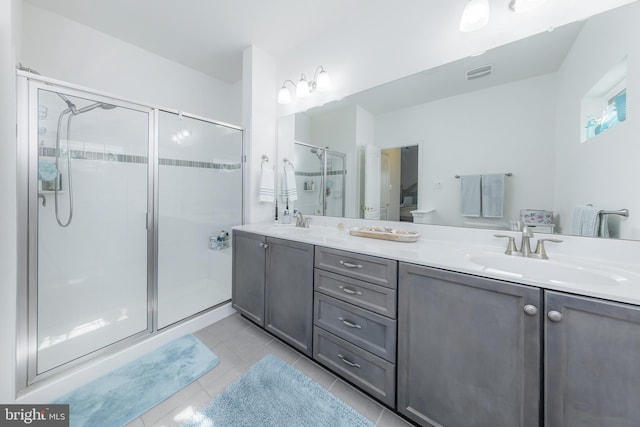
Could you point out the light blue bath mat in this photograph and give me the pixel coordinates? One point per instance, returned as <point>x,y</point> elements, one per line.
<point>273,393</point>
<point>126,393</point>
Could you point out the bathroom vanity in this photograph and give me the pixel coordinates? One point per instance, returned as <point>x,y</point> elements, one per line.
<point>449,330</point>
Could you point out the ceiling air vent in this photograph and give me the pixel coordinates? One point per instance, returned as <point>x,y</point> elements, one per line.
<point>476,73</point>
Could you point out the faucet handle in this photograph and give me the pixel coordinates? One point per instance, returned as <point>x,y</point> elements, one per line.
<point>511,244</point>
<point>526,231</point>
<point>540,251</point>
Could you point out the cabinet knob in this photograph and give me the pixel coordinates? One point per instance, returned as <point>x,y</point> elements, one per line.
<point>530,310</point>
<point>554,316</point>
<point>263,245</point>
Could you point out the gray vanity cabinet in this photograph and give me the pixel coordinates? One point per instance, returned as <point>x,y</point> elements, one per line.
<point>468,349</point>
<point>248,275</point>
<point>592,362</point>
<point>273,286</point>
<point>289,293</point>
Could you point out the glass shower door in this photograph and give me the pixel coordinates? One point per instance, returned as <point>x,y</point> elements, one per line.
<point>89,184</point>
<point>200,199</point>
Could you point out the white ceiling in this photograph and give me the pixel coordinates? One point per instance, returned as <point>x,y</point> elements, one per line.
<point>207,35</point>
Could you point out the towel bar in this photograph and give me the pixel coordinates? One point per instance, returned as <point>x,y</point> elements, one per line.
<point>506,174</point>
<point>621,212</point>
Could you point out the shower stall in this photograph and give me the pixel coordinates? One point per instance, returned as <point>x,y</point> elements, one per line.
<point>120,203</point>
<point>320,180</point>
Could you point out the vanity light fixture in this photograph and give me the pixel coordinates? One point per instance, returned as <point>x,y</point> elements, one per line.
<point>321,82</point>
<point>475,15</point>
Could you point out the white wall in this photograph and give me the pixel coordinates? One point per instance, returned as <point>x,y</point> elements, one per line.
<point>259,119</point>
<point>60,48</point>
<point>9,47</point>
<point>494,134</point>
<point>601,171</point>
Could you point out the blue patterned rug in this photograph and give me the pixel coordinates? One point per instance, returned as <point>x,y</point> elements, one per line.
<point>126,393</point>
<point>273,393</point>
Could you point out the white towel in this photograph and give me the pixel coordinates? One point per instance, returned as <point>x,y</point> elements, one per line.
<point>289,190</point>
<point>604,226</point>
<point>470,195</point>
<point>266,192</point>
<point>493,195</point>
<point>585,221</point>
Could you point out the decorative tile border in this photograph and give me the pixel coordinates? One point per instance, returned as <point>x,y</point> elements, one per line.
<point>127,158</point>
<point>340,172</point>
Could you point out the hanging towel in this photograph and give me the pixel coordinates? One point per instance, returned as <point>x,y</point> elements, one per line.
<point>266,192</point>
<point>604,226</point>
<point>493,195</point>
<point>585,221</point>
<point>289,188</point>
<point>470,195</point>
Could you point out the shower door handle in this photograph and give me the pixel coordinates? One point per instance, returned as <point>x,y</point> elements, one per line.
<point>44,199</point>
<point>146,221</point>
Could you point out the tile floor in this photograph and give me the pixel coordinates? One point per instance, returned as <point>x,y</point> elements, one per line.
<point>239,344</point>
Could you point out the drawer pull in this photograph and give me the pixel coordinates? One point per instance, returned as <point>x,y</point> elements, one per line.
<point>349,291</point>
<point>350,265</point>
<point>349,324</point>
<point>348,362</point>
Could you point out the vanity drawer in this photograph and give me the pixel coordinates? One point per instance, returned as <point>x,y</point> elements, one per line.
<point>373,269</point>
<point>376,298</point>
<point>371,373</point>
<point>370,331</point>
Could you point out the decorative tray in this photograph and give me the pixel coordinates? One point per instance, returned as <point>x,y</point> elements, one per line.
<point>385,233</point>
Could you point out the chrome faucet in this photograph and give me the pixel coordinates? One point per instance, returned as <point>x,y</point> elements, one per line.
<point>301,221</point>
<point>525,246</point>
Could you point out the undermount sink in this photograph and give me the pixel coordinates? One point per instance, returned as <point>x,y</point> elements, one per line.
<point>549,271</point>
<point>289,230</point>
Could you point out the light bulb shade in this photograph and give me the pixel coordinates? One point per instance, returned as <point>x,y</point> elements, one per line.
<point>475,16</point>
<point>302,89</point>
<point>523,6</point>
<point>284,96</point>
<point>323,82</point>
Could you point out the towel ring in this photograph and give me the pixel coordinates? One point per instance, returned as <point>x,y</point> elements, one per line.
<point>287,161</point>
<point>265,159</point>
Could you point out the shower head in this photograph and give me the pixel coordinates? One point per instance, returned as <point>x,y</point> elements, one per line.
<point>318,152</point>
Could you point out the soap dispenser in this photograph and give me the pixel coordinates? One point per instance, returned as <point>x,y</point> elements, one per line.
<point>286,216</point>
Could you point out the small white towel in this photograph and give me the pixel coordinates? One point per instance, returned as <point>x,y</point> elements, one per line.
<point>289,190</point>
<point>493,195</point>
<point>585,221</point>
<point>470,195</point>
<point>266,192</point>
<point>604,226</point>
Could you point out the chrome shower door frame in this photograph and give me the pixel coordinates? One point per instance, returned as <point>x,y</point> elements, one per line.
<point>28,225</point>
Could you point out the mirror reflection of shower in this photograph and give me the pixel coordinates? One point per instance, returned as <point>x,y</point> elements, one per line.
<point>320,179</point>
<point>71,111</point>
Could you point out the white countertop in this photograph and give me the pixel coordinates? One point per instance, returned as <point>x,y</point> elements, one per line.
<point>593,267</point>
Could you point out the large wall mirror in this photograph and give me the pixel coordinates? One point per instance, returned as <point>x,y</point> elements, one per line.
<point>536,131</point>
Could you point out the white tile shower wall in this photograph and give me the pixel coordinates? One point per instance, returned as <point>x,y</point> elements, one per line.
<point>93,274</point>
<point>195,204</point>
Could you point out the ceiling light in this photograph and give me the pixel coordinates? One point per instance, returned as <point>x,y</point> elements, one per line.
<point>522,6</point>
<point>321,81</point>
<point>475,16</point>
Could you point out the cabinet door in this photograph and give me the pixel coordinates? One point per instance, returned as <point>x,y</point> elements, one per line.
<point>289,292</point>
<point>468,353</point>
<point>592,362</point>
<point>249,257</point>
